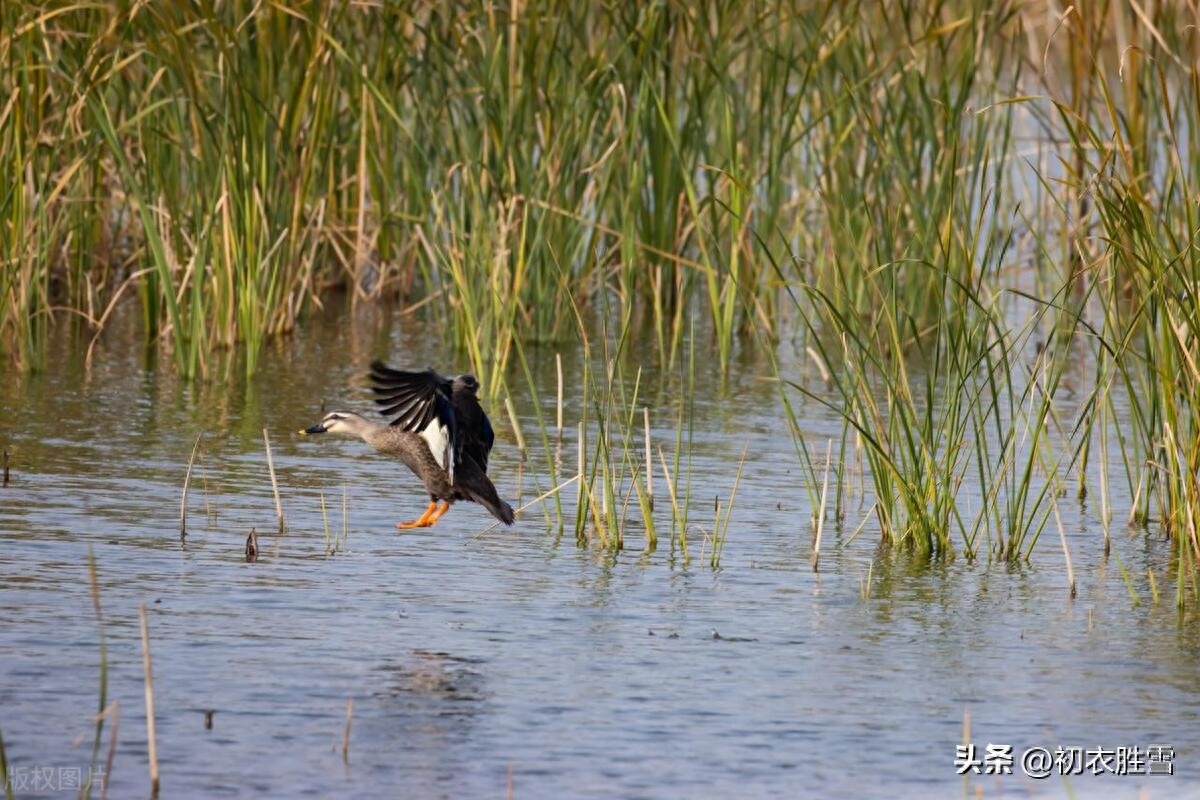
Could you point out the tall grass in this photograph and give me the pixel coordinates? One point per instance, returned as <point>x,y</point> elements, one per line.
<point>945,353</point>
<point>616,446</point>
<point>187,156</point>
<point>950,203</point>
<point>1137,154</point>
<point>229,163</point>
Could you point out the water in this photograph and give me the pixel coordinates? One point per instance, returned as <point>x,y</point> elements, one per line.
<point>515,658</point>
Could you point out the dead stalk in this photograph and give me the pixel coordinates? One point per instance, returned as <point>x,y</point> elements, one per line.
<point>346,732</point>
<point>148,677</point>
<point>649,460</point>
<point>274,483</point>
<point>1062,537</point>
<point>512,418</point>
<point>816,553</point>
<point>537,499</point>
<point>345,520</point>
<point>559,417</point>
<point>582,464</point>
<point>115,708</point>
<point>187,480</point>
<point>671,493</point>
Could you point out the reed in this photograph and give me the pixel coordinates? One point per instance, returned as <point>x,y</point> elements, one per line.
<point>187,479</point>
<point>1135,163</point>
<point>346,731</point>
<point>275,488</point>
<point>8,784</point>
<point>613,444</point>
<point>819,527</point>
<point>103,706</point>
<point>148,680</point>
<point>945,368</point>
<point>112,711</point>
<point>516,427</point>
<point>345,518</point>
<point>231,164</point>
<point>722,515</point>
<point>722,175</point>
<point>1062,538</point>
<point>330,547</point>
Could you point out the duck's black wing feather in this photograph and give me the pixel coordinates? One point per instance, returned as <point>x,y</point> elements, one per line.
<point>475,440</point>
<point>419,402</point>
<point>475,436</point>
<point>412,398</point>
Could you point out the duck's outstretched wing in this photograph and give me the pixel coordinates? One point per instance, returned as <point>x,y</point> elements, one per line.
<point>420,402</point>
<point>475,436</point>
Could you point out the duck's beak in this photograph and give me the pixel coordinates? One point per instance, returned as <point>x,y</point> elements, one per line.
<point>318,428</point>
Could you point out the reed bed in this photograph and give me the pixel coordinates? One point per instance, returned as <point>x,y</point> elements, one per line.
<point>951,205</point>
<point>228,165</point>
<point>960,291</point>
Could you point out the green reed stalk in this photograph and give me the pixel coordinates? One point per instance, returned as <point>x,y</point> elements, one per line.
<point>551,454</point>
<point>721,521</point>
<point>8,784</point>
<point>102,706</point>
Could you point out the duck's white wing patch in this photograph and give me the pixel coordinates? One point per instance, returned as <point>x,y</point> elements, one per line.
<point>437,436</point>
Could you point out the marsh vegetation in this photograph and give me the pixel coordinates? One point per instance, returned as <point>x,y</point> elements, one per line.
<point>976,222</point>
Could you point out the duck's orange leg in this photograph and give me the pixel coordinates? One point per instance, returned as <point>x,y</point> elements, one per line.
<point>423,520</point>
<point>438,514</point>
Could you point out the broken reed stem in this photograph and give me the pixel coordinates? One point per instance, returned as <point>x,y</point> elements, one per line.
<point>512,419</point>
<point>582,463</point>
<point>187,479</point>
<point>1062,537</point>
<point>252,546</point>
<point>649,459</point>
<point>345,521</point>
<point>346,731</point>
<point>1105,508</point>
<point>274,484</point>
<point>325,517</point>
<point>604,493</point>
<point>113,711</point>
<point>816,553</point>
<point>148,677</point>
<point>966,735</point>
<point>676,518</point>
<point>6,467</point>
<point>559,417</point>
<point>537,499</point>
<point>103,705</point>
<point>8,788</point>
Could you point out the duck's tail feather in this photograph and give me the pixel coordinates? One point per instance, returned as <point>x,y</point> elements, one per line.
<point>498,508</point>
<point>485,495</point>
<point>473,483</point>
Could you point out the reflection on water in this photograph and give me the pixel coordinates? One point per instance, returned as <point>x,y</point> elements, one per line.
<point>585,674</point>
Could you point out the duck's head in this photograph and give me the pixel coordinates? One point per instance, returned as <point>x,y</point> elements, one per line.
<point>336,422</point>
<point>467,382</point>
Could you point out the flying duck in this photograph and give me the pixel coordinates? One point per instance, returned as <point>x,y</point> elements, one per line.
<point>438,429</point>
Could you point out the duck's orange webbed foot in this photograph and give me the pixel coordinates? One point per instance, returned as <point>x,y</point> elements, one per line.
<point>438,514</point>
<point>432,514</point>
<point>421,521</point>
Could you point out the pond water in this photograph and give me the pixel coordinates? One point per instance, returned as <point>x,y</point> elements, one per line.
<point>516,661</point>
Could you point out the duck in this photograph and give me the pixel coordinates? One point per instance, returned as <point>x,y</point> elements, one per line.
<point>437,428</point>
